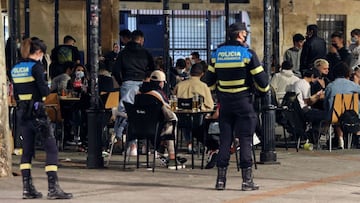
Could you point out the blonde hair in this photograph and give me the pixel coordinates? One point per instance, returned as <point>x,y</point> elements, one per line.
<point>320,62</point>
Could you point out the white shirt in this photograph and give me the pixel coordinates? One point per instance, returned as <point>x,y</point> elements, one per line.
<point>303,91</point>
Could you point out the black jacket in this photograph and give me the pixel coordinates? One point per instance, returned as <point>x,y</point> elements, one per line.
<point>314,48</point>
<point>134,62</point>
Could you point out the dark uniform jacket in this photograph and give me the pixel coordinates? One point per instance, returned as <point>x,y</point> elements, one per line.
<point>236,71</point>
<point>29,82</point>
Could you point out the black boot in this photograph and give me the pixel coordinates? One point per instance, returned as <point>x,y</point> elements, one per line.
<point>55,192</point>
<point>29,191</point>
<point>221,178</point>
<point>248,183</point>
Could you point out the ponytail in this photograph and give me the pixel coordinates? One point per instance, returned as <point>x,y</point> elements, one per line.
<point>25,48</point>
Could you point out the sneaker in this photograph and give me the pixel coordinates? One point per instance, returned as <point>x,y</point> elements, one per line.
<point>212,160</point>
<point>163,161</point>
<point>181,160</point>
<point>105,154</point>
<point>132,150</point>
<point>172,165</point>
<point>341,143</point>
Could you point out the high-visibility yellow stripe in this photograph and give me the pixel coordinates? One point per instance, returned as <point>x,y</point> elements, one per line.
<point>24,79</point>
<point>25,166</point>
<point>231,82</point>
<point>233,90</point>
<point>230,65</point>
<point>211,68</point>
<point>213,60</point>
<point>262,89</point>
<point>25,96</point>
<point>246,60</point>
<point>257,70</point>
<point>51,168</point>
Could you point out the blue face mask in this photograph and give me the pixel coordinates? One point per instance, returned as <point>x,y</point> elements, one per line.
<point>79,74</point>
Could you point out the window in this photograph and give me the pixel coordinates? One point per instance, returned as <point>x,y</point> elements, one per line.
<point>329,23</point>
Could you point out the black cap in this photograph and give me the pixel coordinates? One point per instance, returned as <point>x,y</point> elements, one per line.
<point>238,26</point>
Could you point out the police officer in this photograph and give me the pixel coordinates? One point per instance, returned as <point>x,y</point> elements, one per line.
<point>235,71</point>
<point>30,90</point>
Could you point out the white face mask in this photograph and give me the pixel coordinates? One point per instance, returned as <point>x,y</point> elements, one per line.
<point>179,71</point>
<point>353,39</point>
<point>79,74</point>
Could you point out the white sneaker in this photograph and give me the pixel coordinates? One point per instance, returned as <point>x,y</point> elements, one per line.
<point>132,150</point>
<point>341,143</point>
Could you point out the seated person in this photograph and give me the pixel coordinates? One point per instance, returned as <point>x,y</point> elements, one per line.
<point>155,88</point>
<point>178,73</point>
<point>341,85</point>
<point>60,82</point>
<point>321,71</point>
<point>283,81</point>
<point>306,100</point>
<point>194,86</point>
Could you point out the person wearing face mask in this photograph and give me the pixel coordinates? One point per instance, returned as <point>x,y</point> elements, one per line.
<point>337,53</point>
<point>30,90</point>
<point>235,70</point>
<point>178,73</point>
<point>354,47</point>
<point>313,48</point>
<point>111,57</point>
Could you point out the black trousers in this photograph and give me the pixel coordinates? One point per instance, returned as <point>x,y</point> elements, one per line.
<point>237,117</point>
<point>29,129</point>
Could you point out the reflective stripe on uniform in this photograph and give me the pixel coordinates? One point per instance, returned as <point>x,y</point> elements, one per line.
<point>231,82</point>
<point>257,70</point>
<point>265,89</point>
<point>233,90</point>
<point>230,65</point>
<point>25,166</point>
<point>25,96</point>
<point>211,68</point>
<point>24,79</point>
<point>51,168</point>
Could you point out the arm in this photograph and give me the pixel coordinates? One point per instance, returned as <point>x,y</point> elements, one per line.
<point>261,79</point>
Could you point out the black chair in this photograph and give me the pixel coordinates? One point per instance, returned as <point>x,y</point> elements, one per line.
<point>145,120</point>
<point>294,120</point>
<point>190,120</point>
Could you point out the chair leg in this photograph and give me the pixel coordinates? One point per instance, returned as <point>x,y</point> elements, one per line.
<point>192,150</point>
<point>254,155</point>
<point>112,140</point>
<point>285,138</point>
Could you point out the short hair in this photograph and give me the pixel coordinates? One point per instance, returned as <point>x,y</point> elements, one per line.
<point>196,54</point>
<point>125,33</point>
<point>320,62</point>
<point>180,63</point>
<point>298,37</point>
<point>196,69</point>
<point>342,70</point>
<point>286,65</point>
<point>338,34</point>
<point>67,38</point>
<point>355,31</point>
<point>136,34</point>
<point>308,73</point>
<point>313,28</point>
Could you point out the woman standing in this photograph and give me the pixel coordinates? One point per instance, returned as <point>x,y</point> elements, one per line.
<point>30,90</point>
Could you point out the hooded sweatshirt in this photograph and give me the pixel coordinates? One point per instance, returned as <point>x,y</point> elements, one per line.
<point>283,82</point>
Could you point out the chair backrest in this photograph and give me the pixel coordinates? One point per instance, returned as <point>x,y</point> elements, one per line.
<point>143,120</point>
<point>344,102</point>
<point>293,114</point>
<point>185,103</point>
<point>53,100</point>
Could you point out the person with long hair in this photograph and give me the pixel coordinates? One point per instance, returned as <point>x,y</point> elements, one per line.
<point>30,90</point>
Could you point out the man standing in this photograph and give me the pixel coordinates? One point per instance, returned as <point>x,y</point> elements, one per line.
<point>132,66</point>
<point>236,70</point>
<point>66,52</point>
<point>293,54</point>
<point>337,53</point>
<point>314,48</point>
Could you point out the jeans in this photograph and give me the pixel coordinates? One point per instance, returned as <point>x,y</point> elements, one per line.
<point>128,91</point>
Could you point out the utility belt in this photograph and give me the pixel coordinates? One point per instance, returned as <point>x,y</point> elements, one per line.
<point>32,109</point>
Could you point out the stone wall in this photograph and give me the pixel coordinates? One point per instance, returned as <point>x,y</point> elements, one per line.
<point>293,18</point>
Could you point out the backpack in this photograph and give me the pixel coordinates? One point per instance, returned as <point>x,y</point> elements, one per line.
<point>350,121</point>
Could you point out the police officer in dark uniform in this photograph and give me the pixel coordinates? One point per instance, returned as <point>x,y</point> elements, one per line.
<point>30,90</point>
<point>235,71</point>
